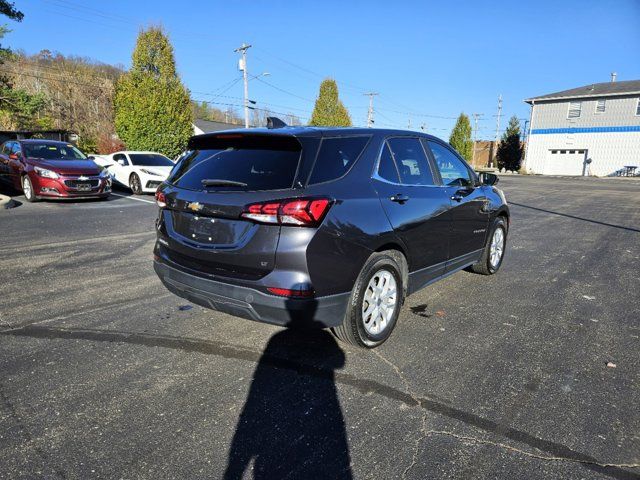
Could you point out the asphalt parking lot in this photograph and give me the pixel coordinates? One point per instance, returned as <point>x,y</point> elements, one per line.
<point>104,374</point>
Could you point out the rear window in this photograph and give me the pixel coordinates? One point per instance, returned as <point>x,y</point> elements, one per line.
<point>256,163</point>
<point>335,157</point>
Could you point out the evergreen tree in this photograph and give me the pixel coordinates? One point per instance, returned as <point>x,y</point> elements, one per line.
<point>152,107</point>
<point>460,138</point>
<point>509,153</point>
<point>329,110</point>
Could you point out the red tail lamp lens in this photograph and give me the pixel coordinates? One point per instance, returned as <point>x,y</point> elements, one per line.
<point>305,212</point>
<point>161,199</point>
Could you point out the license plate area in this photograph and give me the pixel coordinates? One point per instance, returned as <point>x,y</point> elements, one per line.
<point>83,187</point>
<point>203,229</point>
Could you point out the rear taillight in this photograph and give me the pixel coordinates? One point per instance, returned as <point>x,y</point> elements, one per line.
<point>303,212</point>
<point>161,200</point>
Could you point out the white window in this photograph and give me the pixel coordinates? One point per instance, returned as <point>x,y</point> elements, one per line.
<point>601,106</point>
<point>575,108</point>
<point>638,107</point>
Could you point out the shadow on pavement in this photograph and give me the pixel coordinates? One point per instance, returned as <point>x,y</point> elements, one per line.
<point>631,229</point>
<point>291,424</point>
<point>288,357</point>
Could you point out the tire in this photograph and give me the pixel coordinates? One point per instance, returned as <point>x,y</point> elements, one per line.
<point>383,268</point>
<point>27,189</point>
<point>134,184</point>
<point>485,266</point>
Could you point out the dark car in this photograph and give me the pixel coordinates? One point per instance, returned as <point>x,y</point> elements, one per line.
<point>329,227</point>
<point>51,169</point>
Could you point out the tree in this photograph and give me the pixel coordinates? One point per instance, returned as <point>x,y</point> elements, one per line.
<point>460,138</point>
<point>509,153</point>
<point>18,108</point>
<point>8,9</point>
<point>152,107</point>
<point>329,110</point>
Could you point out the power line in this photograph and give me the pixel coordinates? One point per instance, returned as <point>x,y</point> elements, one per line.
<point>65,80</point>
<point>285,91</point>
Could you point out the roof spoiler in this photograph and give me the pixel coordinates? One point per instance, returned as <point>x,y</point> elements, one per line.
<point>275,122</point>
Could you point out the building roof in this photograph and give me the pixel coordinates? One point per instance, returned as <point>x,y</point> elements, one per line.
<point>210,126</point>
<point>629,87</point>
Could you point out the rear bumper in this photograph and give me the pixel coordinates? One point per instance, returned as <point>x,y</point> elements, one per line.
<point>252,304</point>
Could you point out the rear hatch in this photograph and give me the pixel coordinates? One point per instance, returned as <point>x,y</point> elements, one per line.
<point>207,192</point>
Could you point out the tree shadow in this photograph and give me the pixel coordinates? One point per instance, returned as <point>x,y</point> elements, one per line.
<point>291,424</point>
<point>597,222</point>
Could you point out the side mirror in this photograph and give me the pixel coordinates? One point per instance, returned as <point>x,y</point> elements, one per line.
<point>121,163</point>
<point>489,179</point>
<point>13,156</point>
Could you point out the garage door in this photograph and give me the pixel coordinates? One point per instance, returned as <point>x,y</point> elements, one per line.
<point>564,162</point>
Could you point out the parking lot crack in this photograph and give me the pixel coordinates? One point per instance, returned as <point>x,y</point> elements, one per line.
<point>416,398</point>
<point>468,439</point>
<point>610,469</point>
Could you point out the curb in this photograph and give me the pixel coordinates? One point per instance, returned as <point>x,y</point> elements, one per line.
<point>6,202</point>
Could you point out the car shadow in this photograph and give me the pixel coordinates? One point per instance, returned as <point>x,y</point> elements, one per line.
<point>292,424</point>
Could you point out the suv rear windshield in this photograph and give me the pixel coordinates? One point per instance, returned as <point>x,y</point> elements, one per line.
<point>255,162</point>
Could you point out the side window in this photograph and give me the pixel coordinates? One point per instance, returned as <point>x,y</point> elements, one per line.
<point>335,157</point>
<point>411,161</point>
<point>387,167</point>
<point>452,170</point>
<point>120,156</point>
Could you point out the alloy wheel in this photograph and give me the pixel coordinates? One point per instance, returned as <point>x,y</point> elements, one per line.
<point>26,187</point>
<point>379,302</point>
<point>497,247</point>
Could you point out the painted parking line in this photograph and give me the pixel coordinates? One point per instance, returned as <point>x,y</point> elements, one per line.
<point>133,198</point>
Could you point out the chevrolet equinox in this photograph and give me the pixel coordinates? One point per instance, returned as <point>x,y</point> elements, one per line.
<point>326,227</point>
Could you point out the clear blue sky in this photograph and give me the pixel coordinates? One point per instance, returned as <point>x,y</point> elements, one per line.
<point>427,59</point>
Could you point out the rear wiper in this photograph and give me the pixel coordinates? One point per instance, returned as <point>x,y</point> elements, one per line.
<point>215,182</point>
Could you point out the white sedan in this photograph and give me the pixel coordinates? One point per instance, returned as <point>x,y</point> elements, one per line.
<point>142,172</point>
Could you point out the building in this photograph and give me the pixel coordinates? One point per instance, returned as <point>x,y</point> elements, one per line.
<point>590,130</point>
<point>61,135</point>
<point>483,153</point>
<point>207,126</point>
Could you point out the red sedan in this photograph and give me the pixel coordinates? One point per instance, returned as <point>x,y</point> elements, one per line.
<point>50,169</point>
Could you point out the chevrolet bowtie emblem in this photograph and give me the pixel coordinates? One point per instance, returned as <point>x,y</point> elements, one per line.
<point>82,177</point>
<point>194,206</point>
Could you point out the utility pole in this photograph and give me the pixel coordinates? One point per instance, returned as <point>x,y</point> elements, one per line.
<point>495,141</point>
<point>475,136</point>
<point>409,124</point>
<point>370,120</point>
<point>242,65</point>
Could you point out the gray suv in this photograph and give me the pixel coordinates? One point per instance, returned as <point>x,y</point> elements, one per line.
<point>326,227</point>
